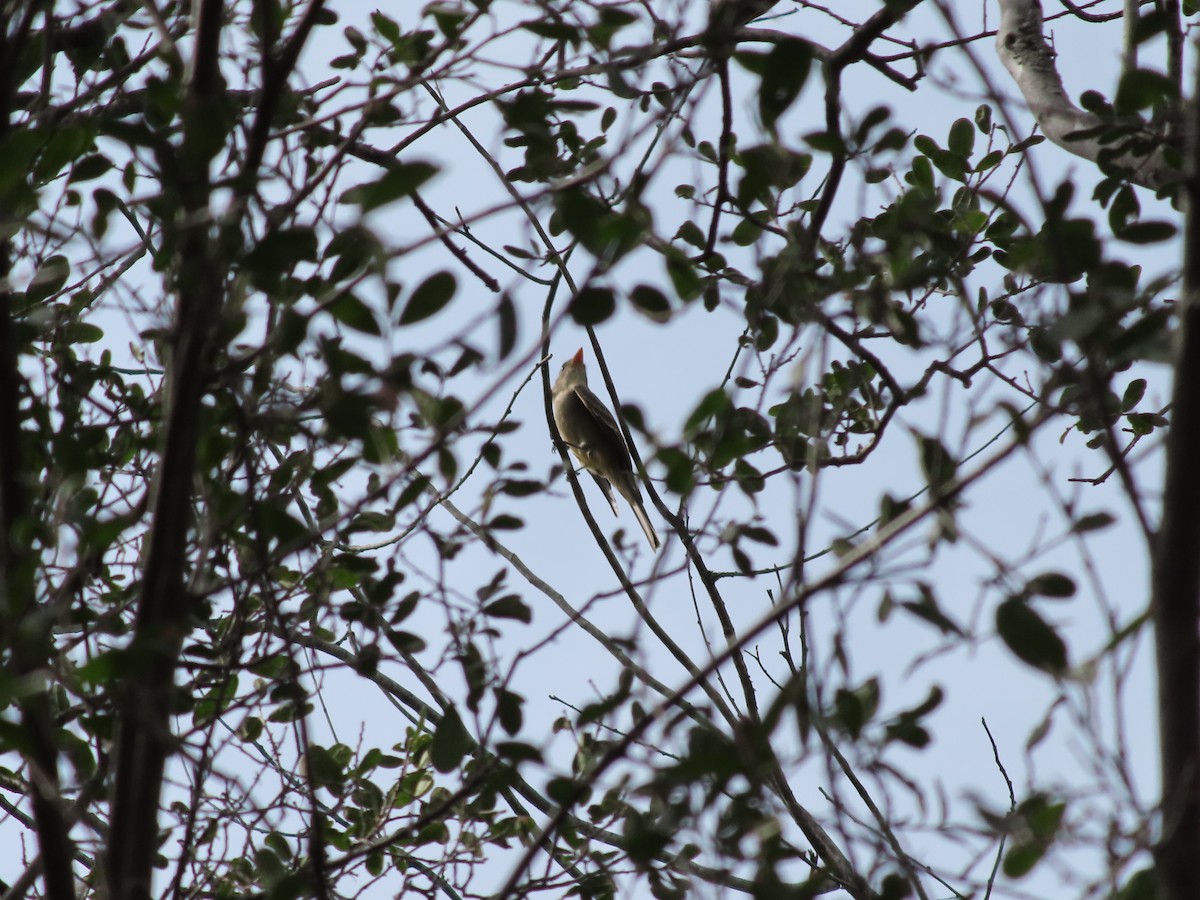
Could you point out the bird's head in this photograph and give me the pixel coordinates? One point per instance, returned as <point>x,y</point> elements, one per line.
<point>572,374</point>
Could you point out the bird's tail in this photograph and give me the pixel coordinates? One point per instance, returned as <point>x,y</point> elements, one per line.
<point>644,520</point>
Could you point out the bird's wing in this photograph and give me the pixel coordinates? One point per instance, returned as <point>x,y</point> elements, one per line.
<point>605,421</point>
<point>606,490</point>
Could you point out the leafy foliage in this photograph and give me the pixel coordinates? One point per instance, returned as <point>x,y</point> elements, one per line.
<point>269,478</point>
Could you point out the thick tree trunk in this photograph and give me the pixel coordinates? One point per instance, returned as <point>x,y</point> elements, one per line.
<point>1176,600</point>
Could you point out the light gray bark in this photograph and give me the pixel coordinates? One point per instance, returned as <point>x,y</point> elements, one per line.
<point>1022,48</point>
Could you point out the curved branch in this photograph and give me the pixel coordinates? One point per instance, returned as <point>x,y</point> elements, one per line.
<point>1022,48</point>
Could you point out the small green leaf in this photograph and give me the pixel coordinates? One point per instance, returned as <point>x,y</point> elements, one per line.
<point>81,333</point>
<point>251,729</point>
<point>1022,857</point>
<point>506,316</point>
<point>510,606</point>
<point>1093,522</point>
<point>89,167</point>
<point>760,535</point>
<point>1147,232</point>
<point>684,278</point>
<point>518,751</point>
<point>1133,394</point>
<point>1030,637</point>
<point>983,118</point>
<point>651,302</point>
<point>354,313</point>
<point>324,769</point>
<point>714,403</point>
<point>450,742</point>
<point>400,181</point>
<point>1140,89</point>
<point>1142,885</point>
<point>278,253</point>
<point>404,641</point>
<point>691,233</point>
<point>517,487</point>
<point>592,305</point>
<point>927,608</point>
<point>430,296</point>
<point>784,71</point>
<point>1051,584</point>
<point>505,522</point>
<point>962,138</point>
<point>49,278</point>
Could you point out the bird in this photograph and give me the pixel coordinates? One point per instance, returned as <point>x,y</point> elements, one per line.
<point>589,429</point>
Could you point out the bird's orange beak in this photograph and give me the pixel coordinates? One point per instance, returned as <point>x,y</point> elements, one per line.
<point>577,359</point>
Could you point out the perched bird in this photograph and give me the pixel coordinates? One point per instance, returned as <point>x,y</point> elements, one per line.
<point>589,429</point>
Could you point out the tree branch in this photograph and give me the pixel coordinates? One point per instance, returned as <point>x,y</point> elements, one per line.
<point>1175,604</point>
<point>144,737</point>
<point>1022,48</point>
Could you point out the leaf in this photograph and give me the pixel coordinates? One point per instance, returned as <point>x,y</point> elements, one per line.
<point>508,710</point>
<point>1147,232</point>
<point>521,487</point>
<point>1022,857</point>
<point>962,138</point>
<point>277,254</point>
<point>400,181</point>
<point>926,145</point>
<point>784,72</point>
<point>1093,522</point>
<point>1030,637</point>
<point>927,608</point>
<point>1051,584</point>
<point>510,606</point>
<point>506,317</point>
<point>450,742</point>
<point>592,305</point>
<point>1140,89</point>
<point>405,642</point>
<point>81,333</point>
<point>89,167</point>
<point>430,296</point>
<point>49,278</point>
<point>215,701</point>
<point>760,535</point>
<point>684,278</point>
<point>1133,394</point>
<point>715,403</point>
<point>324,769</point>
<point>983,118</point>
<point>651,302</point>
<point>1142,885</point>
<point>558,32</point>
<point>387,28</point>
<point>354,313</point>
<point>518,751</point>
<point>251,729</point>
<point>1041,819</point>
<point>691,233</point>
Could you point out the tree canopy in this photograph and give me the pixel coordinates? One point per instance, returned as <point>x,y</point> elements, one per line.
<point>301,595</point>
